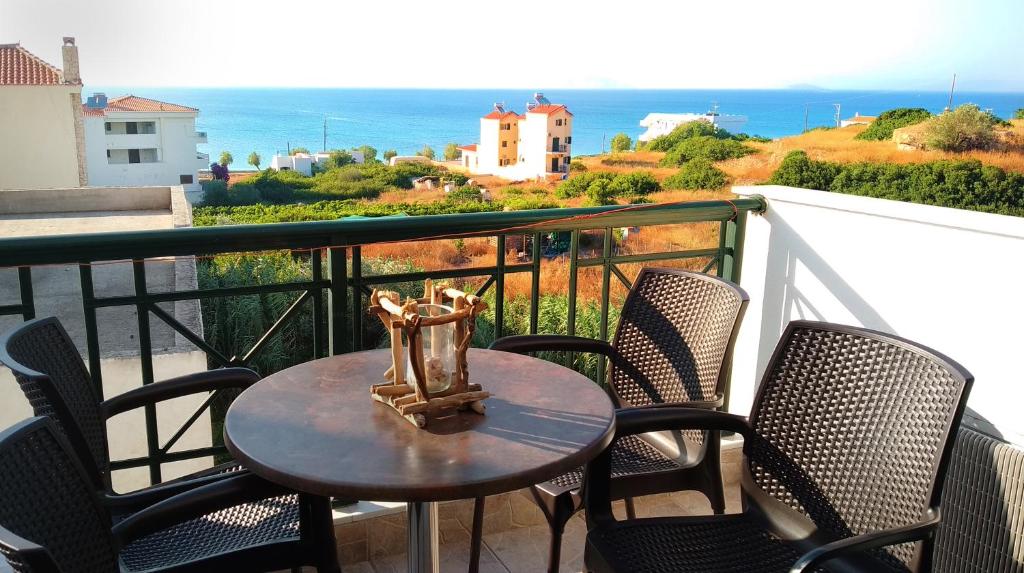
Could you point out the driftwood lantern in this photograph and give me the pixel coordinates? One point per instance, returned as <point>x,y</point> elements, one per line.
<point>429,374</point>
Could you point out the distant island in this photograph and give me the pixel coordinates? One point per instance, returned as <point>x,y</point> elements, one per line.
<point>806,88</point>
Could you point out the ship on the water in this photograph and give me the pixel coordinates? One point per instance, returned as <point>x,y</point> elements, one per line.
<point>659,124</point>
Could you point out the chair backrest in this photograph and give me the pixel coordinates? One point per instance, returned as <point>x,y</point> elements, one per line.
<point>53,376</point>
<point>854,428</point>
<point>46,498</point>
<point>675,332</point>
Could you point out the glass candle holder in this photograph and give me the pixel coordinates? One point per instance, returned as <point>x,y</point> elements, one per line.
<point>438,350</point>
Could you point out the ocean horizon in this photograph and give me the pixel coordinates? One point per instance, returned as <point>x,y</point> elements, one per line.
<point>270,120</point>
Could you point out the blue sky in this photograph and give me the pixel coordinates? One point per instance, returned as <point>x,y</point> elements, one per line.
<point>869,44</point>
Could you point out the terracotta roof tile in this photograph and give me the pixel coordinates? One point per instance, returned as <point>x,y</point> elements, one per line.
<point>19,67</point>
<point>471,147</point>
<point>547,109</point>
<point>499,115</point>
<point>136,103</point>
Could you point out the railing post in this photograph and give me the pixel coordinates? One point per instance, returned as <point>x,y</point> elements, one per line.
<point>574,270</point>
<point>146,362</point>
<point>316,264</point>
<point>732,258</point>
<point>28,307</point>
<point>356,284</point>
<point>499,288</point>
<point>535,284</point>
<point>337,301</point>
<point>92,340</point>
<point>606,280</point>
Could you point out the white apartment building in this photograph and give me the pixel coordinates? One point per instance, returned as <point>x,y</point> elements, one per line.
<point>304,162</point>
<point>532,145</point>
<point>132,141</point>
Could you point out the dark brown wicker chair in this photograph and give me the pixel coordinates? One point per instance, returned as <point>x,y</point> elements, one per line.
<point>55,380</point>
<point>675,332</point>
<point>846,448</point>
<point>51,520</point>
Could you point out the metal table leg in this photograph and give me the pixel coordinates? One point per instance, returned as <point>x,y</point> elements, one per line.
<point>423,538</point>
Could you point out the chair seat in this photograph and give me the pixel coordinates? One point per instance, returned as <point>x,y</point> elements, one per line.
<point>719,544</point>
<point>242,526</point>
<point>630,456</point>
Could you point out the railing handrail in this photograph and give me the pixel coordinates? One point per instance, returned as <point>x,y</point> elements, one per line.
<point>121,245</point>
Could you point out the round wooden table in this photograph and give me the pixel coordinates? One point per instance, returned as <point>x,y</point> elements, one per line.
<point>315,428</point>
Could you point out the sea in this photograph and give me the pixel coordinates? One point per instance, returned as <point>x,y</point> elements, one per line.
<point>272,120</point>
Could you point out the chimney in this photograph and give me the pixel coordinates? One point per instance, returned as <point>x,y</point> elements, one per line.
<point>70,53</point>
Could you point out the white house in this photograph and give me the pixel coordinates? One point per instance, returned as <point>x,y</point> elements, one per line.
<point>304,162</point>
<point>857,119</point>
<point>534,145</point>
<point>659,124</point>
<point>41,140</point>
<point>135,141</point>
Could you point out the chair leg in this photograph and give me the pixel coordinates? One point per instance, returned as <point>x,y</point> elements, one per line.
<point>476,536</point>
<point>555,549</point>
<point>630,508</point>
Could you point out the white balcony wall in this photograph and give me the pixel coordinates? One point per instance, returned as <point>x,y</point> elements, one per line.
<point>946,278</point>
<point>133,141</point>
<point>173,141</point>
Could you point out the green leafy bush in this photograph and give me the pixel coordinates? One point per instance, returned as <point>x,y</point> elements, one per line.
<point>599,193</point>
<point>577,167</point>
<point>634,184</point>
<point>1019,114</point>
<point>688,130</point>
<point>621,142</point>
<point>962,184</point>
<point>340,158</point>
<point>696,174</point>
<point>705,147</point>
<point>889,121</point>
<point>577,185</point>
<point>964,129</point>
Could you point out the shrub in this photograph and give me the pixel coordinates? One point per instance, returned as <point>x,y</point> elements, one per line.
<point>215,192</point>
<point>621,142</point>
<point>889,121</point>
<point>754,138</point>
<point>633,184</point>
<point>1019,114</point>
<point>962,184</point>
<point>296,150</point>
<point>963,129</point>
<point>451,152</point>
<point>465,193</point>
<point>705,147</point>
<point>600,193</point>
<point>697,174</point>
<point>427,152</point>
<point>577,185</point>
<point>340,158</point>
<point>577,167</point>
<point>369,153</point>
<point>688,130</point>
<point>389,154</point>
<point>797,170</point>
<point>220,172</point>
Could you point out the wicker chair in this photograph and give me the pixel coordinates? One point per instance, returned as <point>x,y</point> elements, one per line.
<point>675,332</point>
<point>846,448</point>
<point>51,520</point>
<point>55,380</point>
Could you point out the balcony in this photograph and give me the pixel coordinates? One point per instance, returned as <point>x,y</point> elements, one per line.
<point>133,141</point>
<point>201,137</point>
<point>799,254</point>
<point>560,148</point>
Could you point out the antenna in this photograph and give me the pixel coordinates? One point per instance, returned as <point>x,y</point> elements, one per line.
<point>838,107</point>
<point>949,104</point>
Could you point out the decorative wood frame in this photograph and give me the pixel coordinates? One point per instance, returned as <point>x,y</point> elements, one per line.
<point>414,401</point>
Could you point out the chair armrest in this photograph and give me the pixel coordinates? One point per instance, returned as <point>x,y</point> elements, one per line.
<point>865,541</point>
<point>243,488</point>
<point>25,553</point>
<point>178,387</point>
<point>552,343</point>
<point>629,421</point>
<point>134,500</point>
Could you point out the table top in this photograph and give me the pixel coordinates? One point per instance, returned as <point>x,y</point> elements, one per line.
<point>314,428</point>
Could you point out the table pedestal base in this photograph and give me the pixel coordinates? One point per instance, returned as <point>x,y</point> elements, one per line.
<point>423,538</point>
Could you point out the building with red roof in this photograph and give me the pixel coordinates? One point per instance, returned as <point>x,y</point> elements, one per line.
<point>41,140</point>
<point>532,145</point>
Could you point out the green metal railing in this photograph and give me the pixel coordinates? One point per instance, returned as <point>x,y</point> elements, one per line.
<point>338,296</point>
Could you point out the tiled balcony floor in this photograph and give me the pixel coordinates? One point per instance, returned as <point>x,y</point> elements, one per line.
<point>524,549</point>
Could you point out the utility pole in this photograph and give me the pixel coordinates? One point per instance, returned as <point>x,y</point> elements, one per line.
<point>289,144</point>
<point>949,104</point>
<point>603,138</point>
<point>325,134</point>
<point>839,116</point>
<point>806,110</point>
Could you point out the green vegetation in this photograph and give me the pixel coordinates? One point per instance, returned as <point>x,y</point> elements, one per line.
<point>684,132</point>
<point>254,159</point>
<point>427,152</point>
<point>633,185</point>
<point>697,173</point>
<point>962,184</point>
<point>369,153</point>
<point>889,121</point>
<point>1019,114</point>
<point>296,150</point>
<point>389,154</point>
<point>340,158</point>
<point>705,147</point>
<point>451,152</point>
<point>621,142</point>
<point>963,129</point>
<point>226,159</point>
<point>577,167</point>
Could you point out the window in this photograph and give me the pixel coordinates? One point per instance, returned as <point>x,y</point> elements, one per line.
<point>185,179</point>
<point>558,122</point>
<point>131,127</point>
<point>133,156</point>
<point>108,154</point>
<point>504,144</point>
<point>568,140</point>
<point>106,125</point>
